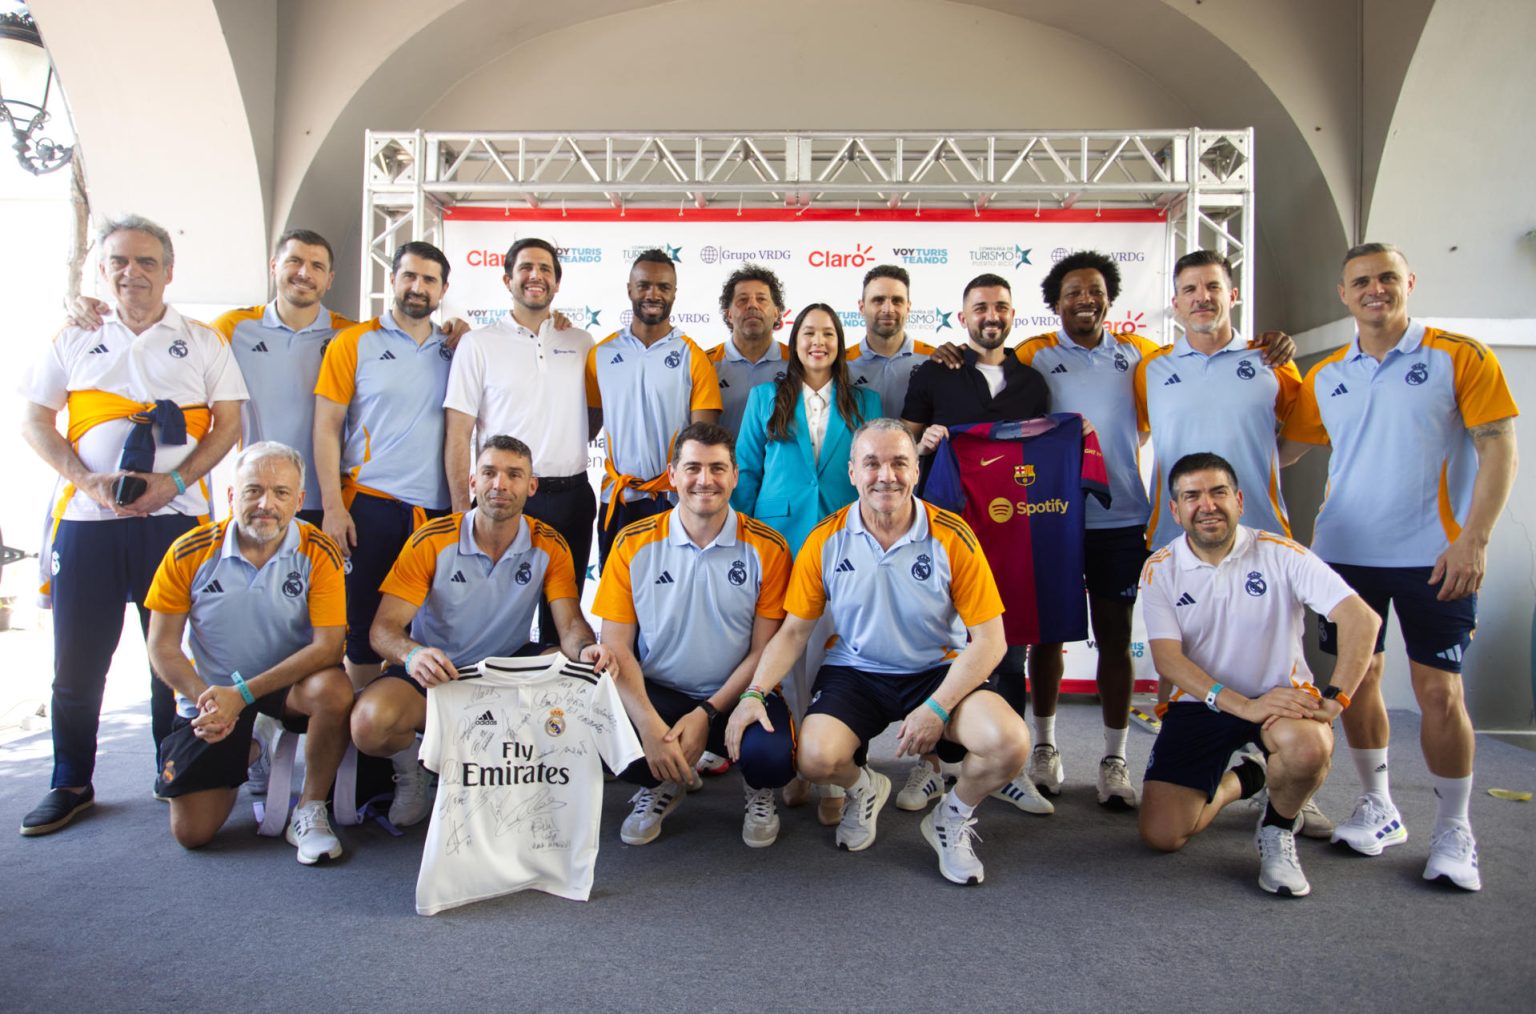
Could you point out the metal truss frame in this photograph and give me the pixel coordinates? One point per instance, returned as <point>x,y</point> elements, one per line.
<point>1201,180</point>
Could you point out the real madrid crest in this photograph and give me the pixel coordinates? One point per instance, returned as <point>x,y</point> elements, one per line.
<point>1024,475</point>
<point>554,725</point>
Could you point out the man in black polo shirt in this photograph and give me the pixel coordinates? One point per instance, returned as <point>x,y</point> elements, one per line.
<point>991,386</point>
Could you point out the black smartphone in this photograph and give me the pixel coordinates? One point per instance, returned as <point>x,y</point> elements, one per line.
<point>129,488</point>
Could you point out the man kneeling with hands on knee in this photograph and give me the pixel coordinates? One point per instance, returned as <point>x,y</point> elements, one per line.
<point>906,583</point>
<point>1224,609</point>
<point>261,592</point>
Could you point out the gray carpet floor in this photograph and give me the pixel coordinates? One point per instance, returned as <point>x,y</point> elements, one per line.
<point>1075,915</point>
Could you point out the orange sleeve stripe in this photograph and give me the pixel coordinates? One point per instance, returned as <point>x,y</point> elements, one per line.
<point>171,589</point>
<point>615,596</point>
<point>1288,379</point>
<point>706,385</point>
<point>1139,388</point>
<point>922,348</point>
<point>225,323</point>
<point>773,553</point>
<point>560,576</point>
<point>327,586</point>
<point>1141,344</point>
<point>1279,540</point>
<point>411,576</point>
<point>806,596</point>
<point>338,370</point>
<point>716,354</point>
<point>1482,394</point>
<point>341,323</point>
<point>594,391</point>
<point>446,523</point>
<point>1032,347</point>
<point>1304,423</point>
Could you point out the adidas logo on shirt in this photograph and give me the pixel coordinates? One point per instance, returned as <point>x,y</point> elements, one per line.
<point>724,382</point>
<point>861,380</point>
<point>616,359</point>
<point>212,588</point>
<point>1185,600</point>
<point>1060,368</point>
<point>665,578</point>
<point>1341,389</point>
<point>1172,380</point>
<point>259,347</point>
<point>486,719</point>
<point>845,567</point>
<point>98,350</point>
<point>387,355</point>
<point>458,577</point>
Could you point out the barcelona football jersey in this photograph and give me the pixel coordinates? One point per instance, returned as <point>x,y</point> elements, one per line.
<point>1021,486</point>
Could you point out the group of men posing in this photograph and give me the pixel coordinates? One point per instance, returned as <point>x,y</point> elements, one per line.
<point>362,532</point>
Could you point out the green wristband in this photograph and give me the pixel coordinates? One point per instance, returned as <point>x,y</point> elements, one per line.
<point>181,487</point>
<point>938,709</point>
<point>245,691</point>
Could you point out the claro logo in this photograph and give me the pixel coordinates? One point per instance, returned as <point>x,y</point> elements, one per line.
<point>1002,510</point>
<point>861,256</point>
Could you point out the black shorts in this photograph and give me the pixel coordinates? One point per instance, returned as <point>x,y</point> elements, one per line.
<point>1197,744</point>
<point>1112,562</point>
<point>767,759</point>
<point>868,702</point>
<point>189,764</point>
<point>384,526</point>
<point>1436,633</point>
<point>397,672</point>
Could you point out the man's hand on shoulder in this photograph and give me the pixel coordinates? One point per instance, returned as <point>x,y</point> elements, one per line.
<point>949,355</point>
<point>86,313</point>
<point>1279,348</point>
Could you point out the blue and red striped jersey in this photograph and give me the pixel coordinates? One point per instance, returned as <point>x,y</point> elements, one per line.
<point>1021,486</point>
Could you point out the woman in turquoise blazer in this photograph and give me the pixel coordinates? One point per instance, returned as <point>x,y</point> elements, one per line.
<point>785,482</point>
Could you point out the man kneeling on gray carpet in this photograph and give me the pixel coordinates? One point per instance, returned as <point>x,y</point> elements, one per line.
<point>1224,606</point>
<point>261,592</point>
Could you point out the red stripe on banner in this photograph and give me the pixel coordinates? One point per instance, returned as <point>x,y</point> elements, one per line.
<point>522,214</point>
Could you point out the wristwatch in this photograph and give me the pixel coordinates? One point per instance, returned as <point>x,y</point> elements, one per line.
<point>1332,693</point>
<point>710,711</point>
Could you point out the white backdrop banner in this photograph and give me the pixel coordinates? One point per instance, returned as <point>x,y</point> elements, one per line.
<point>821,257</point>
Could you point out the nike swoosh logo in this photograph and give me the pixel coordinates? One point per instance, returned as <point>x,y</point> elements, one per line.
<point>987,461</point>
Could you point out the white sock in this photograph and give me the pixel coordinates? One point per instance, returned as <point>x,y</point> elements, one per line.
<point>1453,796</point>
<point>1045,729</point>
<point>1371,765</point>
<point>958,805</point>
<point>863,785</point>
<point>1114,741</point>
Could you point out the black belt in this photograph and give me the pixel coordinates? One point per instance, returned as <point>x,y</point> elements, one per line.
<point>561,483</point>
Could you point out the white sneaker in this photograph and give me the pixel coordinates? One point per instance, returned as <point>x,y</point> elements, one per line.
<point>310,832</point>
<point>1115,788</point>
<point>1279,869</point>
<point>954,838</point>
<point>651,807</point>
<point>1311,823</point>
<point>1372,827</point>
<point>1453,855</point>
<point>1045,768</point>
<point>760,826</point>
<point>1021,792</point>
<point>856,831</point>
<point>413,788</point>
<point>924,785</point>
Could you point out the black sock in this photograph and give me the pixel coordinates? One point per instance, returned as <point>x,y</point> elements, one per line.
<point>1273,819</point>
<point>1250,775</point>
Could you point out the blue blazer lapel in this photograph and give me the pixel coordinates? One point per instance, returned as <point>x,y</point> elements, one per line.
<point>834,446</point>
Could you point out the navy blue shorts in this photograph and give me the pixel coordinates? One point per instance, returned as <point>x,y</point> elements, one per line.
<point>1197,744</point>
<point>868,702</point>
<point>189,764</point>
<point>383,527</point>
<point>1112,562</point>
<point>1437,634</point>
<point>397,672</point>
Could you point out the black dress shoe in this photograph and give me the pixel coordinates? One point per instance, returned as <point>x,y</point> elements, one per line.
<point>58,808</point>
